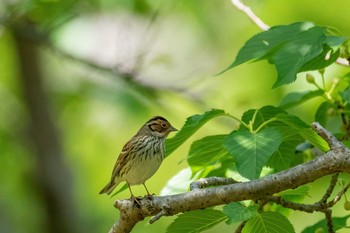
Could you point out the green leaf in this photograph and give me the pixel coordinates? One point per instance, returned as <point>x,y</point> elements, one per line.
<point>338,223</point>
<point>285,155</point>
<point>296,98</point>
<point>346,95</point>
<point>196,221</point>
<point>265,113</point>
<point>236,212</point>
<point>335,41</point>
<point>206,151</point>
<point>265,43</point>
<point>322,60</point>
<point>315,139</point>
<point>292,49</point>
<point>191,125</point>
<point>288,60</point>
<point>252,150</point>
<point>321,114</point>
<point>292,121</point>
<point>268,112</point>
<point>304,130</point>
<point>268,222</point>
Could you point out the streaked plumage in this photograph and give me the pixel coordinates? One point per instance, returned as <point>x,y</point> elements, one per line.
<point>141,156</point>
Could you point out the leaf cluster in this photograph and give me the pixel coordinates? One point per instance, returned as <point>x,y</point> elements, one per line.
<point>270,139</point>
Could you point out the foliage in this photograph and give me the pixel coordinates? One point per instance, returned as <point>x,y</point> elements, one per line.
<point>271,137</point>
<point>292,49</point>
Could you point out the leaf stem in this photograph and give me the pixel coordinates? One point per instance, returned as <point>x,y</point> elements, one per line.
<point>323,81</point>
<point>251,123</point>
<point>264,124</point>
<point>239,120</point>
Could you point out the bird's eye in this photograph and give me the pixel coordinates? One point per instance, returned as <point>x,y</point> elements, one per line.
<point>163,125</point>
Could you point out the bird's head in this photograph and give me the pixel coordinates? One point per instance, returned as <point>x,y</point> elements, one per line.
<point>158,126</point>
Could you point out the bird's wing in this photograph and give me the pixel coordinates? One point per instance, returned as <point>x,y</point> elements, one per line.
<point>122,160</point>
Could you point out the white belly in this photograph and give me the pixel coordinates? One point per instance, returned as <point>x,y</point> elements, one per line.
<point>142,171</point>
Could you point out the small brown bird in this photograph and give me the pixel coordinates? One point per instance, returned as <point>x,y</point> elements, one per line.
<point>141,156</point>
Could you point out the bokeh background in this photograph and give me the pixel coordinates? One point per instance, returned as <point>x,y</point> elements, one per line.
<point>79,77</point>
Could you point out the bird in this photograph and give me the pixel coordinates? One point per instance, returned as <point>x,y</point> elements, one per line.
<point>141,156</point>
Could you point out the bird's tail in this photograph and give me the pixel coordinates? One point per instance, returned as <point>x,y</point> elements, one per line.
<point>109,187</point>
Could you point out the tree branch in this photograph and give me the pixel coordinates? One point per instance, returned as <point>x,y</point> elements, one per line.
<point>334,161</point>
<point>251,15</point>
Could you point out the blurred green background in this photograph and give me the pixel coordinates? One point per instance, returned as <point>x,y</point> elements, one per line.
<point>79,77</point>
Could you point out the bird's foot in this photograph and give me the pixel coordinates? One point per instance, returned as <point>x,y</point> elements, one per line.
<point>136,201</point>
<point>150,196</point>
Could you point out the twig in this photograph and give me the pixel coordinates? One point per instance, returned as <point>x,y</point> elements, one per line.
<point>309,208</point>
<point>240,227</point>
<point>326,135</point>
<point>338,196</point>
<point>246,10</point>
<point>328,214</point>
<point>162,213</point>
<point>330,188</point>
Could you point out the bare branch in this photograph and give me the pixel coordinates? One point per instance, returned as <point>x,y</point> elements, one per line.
<point>328,214</point>
<point>309,208</point>
<point>246,10</point>
<point>332,141</point>
<point>330,188</point>
<point>334,161</point>
<point>338,196</point>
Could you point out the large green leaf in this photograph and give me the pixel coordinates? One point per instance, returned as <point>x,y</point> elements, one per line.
<point>304,130</point>
<point>191,125</point>
<point>252,150</point>
<point>196,221</point>
<point>296,98</point>
<point>293,122</point>
<point>265,43</point>
<point>345,95</point>
<point>321,115</point>
<point>285,155</point>
<point>292,49</point>
<point>338,223</point>
<point>268,222</point>
<point>288,60</point>
<point>236,212</point>
<point>324,59</point>
<point>206,151</point>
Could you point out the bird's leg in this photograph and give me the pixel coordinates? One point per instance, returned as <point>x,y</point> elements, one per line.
<point>134,199</point>
<point>150,196</point>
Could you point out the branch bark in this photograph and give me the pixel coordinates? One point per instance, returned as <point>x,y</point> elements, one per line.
<point>334,161</point>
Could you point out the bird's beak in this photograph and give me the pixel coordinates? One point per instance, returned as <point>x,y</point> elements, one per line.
<point>172,129</point>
